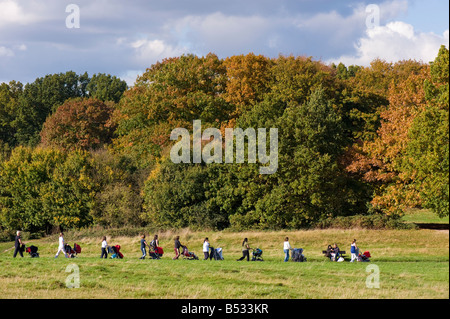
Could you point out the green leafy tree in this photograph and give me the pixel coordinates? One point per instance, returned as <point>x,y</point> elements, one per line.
<point>106,87</point>
<point>427,153</point>
<point>44,188</point>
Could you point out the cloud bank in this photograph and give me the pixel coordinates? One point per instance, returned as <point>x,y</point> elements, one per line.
<point>124,38</point>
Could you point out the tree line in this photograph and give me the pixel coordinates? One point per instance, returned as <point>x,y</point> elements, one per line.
<point>77,151</point>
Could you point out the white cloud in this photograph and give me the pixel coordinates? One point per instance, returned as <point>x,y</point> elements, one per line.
<point>6,52</point>
<point>394,42</point>
<point>147,51</point>
<point>12,13</point>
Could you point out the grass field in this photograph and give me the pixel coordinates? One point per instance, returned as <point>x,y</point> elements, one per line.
<point>412,264</point>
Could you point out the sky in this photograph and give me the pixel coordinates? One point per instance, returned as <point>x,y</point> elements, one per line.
<point>124,38</point>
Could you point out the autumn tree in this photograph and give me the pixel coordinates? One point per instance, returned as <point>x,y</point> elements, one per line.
<point>170,94</point>
<point>79,124</point>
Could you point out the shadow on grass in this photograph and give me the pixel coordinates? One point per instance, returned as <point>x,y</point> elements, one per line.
<point>434,226</point>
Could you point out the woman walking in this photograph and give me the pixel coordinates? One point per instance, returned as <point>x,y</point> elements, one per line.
<point>143,244</point>
<point>177,247</point>
<point>104,246</point>
<point>286,249</point>
<point>18,244</point>
<point>354,251</point>
<point>61,247</point>
<point>245,250</point>
<point>154,243</point>
<point>206,248</point>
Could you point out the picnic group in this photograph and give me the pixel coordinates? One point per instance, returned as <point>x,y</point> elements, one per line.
<point>155,251</point>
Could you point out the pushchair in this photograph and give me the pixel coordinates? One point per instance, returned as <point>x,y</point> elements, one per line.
<point>32,250</point>
<point>216,254</point>
<point>257,255</point>
<point>364,257</point>
<point>72,252</point>
<point>188,255</point>
<point>297,255</point>
<point>115,251</point>
<point>157,253</point>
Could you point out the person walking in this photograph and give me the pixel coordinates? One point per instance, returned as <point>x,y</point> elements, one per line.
<point>104,248</point>
<point>154,244</point>
<point>354,251</point>
<point>206,248</point>
<point>18,243</point>
<point>177,246</point>
<point>245,250</point>
<point>286,249</point>
<point>143,244</point>
<point>61,245</point>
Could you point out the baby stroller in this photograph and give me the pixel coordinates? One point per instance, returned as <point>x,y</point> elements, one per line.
<point>188,255</point>
<point>297,255</point>
<point>216,253</point>
<point>115,251</point>
<point>72,253</point>
<point>32,250</point>
<point>364,257</point>
<point>157,254</point>
<point>257,255</point>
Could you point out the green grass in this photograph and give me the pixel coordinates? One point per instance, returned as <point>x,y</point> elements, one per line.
<point>424,216</point>
<point>412,264</point>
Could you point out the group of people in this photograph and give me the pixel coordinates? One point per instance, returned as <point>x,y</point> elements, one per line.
<point>154,244</point>
<point>332,252</point>
<point>19,245</point>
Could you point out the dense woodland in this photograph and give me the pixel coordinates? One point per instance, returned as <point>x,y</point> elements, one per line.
<point>79,151</point>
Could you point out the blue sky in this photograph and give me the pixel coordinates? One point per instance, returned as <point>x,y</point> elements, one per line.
<point>428,16</point>
<point>123,38</point>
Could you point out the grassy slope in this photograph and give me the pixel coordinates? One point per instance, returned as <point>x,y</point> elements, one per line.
<point>412,264</point>
<point>424,216</point>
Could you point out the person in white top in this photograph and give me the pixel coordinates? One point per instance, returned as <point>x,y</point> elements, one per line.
<point>286,248</point>
<point>206,248</point>
<point>104,246</point>
<point>61,246</point>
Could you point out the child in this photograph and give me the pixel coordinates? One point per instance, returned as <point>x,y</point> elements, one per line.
<point>143,244</point>
<point>206,248</point>
<point>354,251</point>
<point>286,249</point>
<point>104,248</point>
<point>61,246</point>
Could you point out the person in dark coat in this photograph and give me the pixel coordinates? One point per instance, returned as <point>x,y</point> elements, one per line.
<point>19,245</point>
